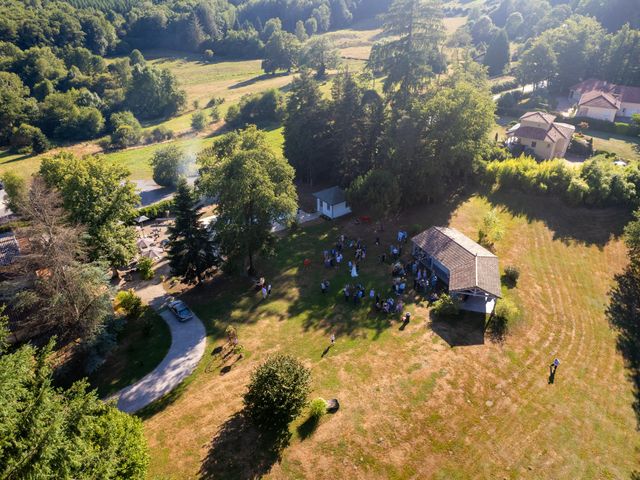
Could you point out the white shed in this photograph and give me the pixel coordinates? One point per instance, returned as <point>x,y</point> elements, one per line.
<point>332,202</point>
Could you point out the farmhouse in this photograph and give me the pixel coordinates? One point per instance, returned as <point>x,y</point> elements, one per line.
<point>332,202</point>
<point>468,269</point>
<point>539,132</point>
<point>602,100</point>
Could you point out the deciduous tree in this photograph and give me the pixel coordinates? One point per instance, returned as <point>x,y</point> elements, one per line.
<point>254,188</point>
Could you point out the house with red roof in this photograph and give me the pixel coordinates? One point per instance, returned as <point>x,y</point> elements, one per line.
<point>604,100</point>
<point>542,135</point>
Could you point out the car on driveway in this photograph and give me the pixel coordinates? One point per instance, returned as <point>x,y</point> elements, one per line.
<point>180,310</point>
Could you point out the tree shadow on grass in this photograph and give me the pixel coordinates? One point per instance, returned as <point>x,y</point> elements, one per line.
<point>258,78</point>
<point>239,451</point>
<point>308,427</point>
<point>163,402</point>
<point>623,313</point>
<point>591,226</point>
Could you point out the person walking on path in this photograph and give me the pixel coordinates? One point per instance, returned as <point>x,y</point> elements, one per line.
<point>333,338</point>
<point>264,293</point>
<point>269,290</point>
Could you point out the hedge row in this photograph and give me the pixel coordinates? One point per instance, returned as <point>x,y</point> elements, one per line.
<point>504,86</point>
<point>619,128</point>
<point>156,210</point>
<point>598,182</point>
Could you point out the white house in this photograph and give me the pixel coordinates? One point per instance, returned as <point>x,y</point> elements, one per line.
<point>603,100</point>
<point>332,202</point>
<point>542,134</point>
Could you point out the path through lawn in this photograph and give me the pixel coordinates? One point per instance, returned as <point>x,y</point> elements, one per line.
<point>413,405</point>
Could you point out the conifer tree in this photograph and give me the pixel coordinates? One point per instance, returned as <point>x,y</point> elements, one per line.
<point>191,250</point>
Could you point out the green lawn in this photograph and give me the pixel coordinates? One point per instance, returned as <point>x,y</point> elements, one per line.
<point>412,404</point>
<point>143,343</point>
<point>625,147</point>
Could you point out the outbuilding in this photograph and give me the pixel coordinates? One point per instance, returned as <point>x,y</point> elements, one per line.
<point>332,202</point>
<point>469,270</point>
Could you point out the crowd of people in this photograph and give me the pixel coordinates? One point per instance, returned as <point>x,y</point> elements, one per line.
<point>424,281</point>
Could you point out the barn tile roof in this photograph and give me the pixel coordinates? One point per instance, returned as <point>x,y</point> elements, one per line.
<point>333,195</point>
<point>470,265</point>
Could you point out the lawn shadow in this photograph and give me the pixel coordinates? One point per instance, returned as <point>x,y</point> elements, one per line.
<point>257,78</point>
<point>622,314</point>
<point>308,427</point>
<point>239,451</point>
<point>591,226</point>
<point>463,330</point>
<point>163,402</point>
<point>497,329</point>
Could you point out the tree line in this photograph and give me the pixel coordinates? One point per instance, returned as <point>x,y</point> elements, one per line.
<point>560,42</point>
<point>61,94</point>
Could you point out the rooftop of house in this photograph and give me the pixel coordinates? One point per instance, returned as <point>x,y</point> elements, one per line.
<point>554,131</point>
<point>625,93</point>
<point>599,99</point>
<point>470,265</point>
<point>333,195</point>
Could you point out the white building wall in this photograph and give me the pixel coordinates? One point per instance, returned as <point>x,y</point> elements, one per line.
<point>340,210</point>
<point>627,109</point>
<point>608,114</point>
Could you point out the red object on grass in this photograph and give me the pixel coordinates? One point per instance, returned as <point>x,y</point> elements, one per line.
<point>307,262</point>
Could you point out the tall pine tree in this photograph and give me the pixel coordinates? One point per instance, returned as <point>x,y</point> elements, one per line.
<point>414,53</point>
<point>191,250</point>
<point>497,56</point>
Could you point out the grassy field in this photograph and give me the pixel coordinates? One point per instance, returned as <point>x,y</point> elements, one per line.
<point>143,343</point>
<point>625,147</point>
<point>433,400</point>
<point>229,79</point>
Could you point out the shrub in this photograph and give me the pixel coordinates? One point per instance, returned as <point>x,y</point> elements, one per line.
<point>199,120</point>
<point>504,86</point>
<point>215,102</point>
<point>215,114</point>
<point>169,164</point>
<point>317,408</point>
<point>159,134</point>
<point>125,129</point>
<point>129,303</point>
<point>491,230</point>
<point>446,306</point>
<point>28,139</point>
<point>277,392</point>
<point>506,311</point>
<point>259,108</point>
<point>208,55</point>
<point>155,210</point>
<point>145,267</point>
<point>512,273</point>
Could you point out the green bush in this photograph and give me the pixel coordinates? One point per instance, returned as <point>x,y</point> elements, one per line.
<point>446,306</point>
<point>159,134</point>
<point>620,128</point>
<point>199,121</point>
<point>257,109</point>
<point>277,392</point>
<point>129,303</point>
<point>145,267</point>
<point>506,311</point>
<point>512,274</point>
<point>317,408</point>
<point>155,210</point>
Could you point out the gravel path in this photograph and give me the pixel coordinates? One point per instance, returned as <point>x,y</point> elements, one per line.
<point>188,340</point>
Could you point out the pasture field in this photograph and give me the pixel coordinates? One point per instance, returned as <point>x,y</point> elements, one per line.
<point>437,399</point>
<point>228,79</point>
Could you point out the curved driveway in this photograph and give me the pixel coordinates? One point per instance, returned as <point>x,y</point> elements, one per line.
<point>188,340</point>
